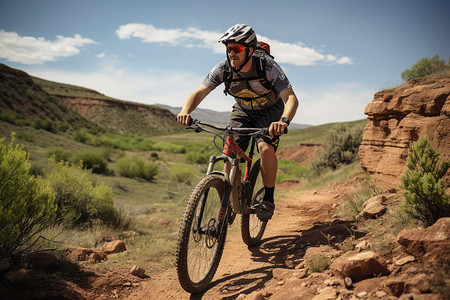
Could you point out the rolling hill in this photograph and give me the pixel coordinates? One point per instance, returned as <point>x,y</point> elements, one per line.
<point>26,100</point>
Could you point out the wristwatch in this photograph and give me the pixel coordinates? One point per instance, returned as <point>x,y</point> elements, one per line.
<point>285,120</point>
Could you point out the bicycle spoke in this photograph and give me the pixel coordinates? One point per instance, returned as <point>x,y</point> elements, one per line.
<point>202,245</point>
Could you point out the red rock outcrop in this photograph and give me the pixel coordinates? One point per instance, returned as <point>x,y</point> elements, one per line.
<point>399,117</point>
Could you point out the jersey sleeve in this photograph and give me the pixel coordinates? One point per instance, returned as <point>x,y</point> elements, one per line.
<point>276,76</point>
<point>215,76</point>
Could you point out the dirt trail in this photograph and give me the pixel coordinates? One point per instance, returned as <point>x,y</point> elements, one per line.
<point>243,269</point>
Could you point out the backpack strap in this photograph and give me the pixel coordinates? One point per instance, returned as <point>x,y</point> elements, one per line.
<point>260,76</point>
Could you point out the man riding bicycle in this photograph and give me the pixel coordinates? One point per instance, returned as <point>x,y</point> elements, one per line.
<point>261,101</point>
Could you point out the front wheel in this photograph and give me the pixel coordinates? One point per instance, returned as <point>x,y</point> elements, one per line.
<point>200,241</point>
<point>252,228</point>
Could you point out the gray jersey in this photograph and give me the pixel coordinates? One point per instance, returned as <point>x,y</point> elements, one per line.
<point>252,88</point>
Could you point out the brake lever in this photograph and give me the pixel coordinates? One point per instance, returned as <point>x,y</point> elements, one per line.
<point>195,127</point>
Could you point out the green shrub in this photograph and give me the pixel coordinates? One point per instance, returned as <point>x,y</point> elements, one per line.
<point>27,205</point>
<point>426,67</point>
<point>46,125</point>
<point>341,148</point>
<point>196,158</point>
<point>78,200</point>
<point>169,147</point>
<point>9,116</point>
<point>290,170</point>
<point>425,195</point>
<point>25,135</point>
<point>92,161</point>
<point>82,136</point>
<point>182,174</point>
<point>59,154</point>
<point>135,167</point>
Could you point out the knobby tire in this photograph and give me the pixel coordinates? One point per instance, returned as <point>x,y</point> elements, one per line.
<point>252,228</point>
<point>198,255</point>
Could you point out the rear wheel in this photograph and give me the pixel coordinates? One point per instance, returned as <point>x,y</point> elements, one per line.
<point>252,228</point>
<point>200,241</point>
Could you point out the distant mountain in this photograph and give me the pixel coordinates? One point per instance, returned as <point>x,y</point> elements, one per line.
<point>215,117</point>
<point>206,115</point>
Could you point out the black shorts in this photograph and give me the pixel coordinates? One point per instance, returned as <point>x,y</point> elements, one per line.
<point>242,118</point>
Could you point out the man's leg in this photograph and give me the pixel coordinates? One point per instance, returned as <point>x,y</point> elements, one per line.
<point>269,164</point>
<point>269,167</point>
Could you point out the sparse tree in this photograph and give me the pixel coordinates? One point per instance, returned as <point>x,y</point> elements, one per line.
<point>425,67</point>
<point>27,204</point>
<point>425,195</point>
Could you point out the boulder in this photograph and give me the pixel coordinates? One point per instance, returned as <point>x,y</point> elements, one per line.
<point>19,277</point>
<point>359,265</point>
<point>43,260</point>
<point>431,241</point>
<point>373,207</point>
<point>138,271</point>
<point>5,264</point>
<point>114,247</point>
<point>85,254</point>
<point>398,117</point>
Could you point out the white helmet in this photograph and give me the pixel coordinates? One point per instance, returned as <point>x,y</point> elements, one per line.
<point>240,33</point>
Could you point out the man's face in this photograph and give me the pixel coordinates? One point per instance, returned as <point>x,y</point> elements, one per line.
<point>237,54</point>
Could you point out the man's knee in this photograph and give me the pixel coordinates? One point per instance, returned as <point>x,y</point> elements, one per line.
<point>266,149</point>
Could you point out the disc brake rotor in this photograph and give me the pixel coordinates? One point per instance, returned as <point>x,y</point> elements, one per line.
<point>211,233</point>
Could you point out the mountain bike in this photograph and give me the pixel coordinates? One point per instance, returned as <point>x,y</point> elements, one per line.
<point>213,205</point>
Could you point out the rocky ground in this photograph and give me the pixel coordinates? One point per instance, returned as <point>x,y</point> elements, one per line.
<point>306,253</point>
<point>309,251</point>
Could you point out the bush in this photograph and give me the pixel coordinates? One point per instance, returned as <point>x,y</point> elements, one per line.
<point>78,200</point>
<point>169,147</point>
<point>426,67</point>
<point>27,205</point>
<point>341,148</point>
<point>135,167</point>
<point>290,170</point>
<point>425,195</point>
<point>59,154</point>
<point>182,174</point>
<point>46,125</point>
<point>92,161</point>
<point>196,158</point>
<point>82,136</point>
<point>9,116</point>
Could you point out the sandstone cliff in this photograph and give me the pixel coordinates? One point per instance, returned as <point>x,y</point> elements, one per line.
<point>398,117</point>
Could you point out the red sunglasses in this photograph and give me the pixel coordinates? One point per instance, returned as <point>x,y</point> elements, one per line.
<point>236,49</point>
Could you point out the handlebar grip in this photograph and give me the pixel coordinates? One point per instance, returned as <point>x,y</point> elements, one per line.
<point>266,131</point>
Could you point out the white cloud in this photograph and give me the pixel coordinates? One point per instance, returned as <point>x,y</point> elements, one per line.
<point>320,105</point>
<point>31,50</point>
<point>344,60</point>
<point>296,54</point>
<point>101,55</point>
<point>174,37</point>
<point>336,103</point>
<point>149,86</point>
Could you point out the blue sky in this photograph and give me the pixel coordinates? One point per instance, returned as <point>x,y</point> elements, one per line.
<point>336,54</point>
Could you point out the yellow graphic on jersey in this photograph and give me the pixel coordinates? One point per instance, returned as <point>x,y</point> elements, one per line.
<point>245,93</point>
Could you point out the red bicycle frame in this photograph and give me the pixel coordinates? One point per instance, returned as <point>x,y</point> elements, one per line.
<point>231,147</point>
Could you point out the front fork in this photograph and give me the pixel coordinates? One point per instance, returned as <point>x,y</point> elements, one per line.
<point>224,204</point>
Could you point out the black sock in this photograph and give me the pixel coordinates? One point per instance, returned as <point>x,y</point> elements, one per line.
<point>268,194</point>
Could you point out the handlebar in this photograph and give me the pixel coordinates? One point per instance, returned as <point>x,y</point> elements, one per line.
<point>195,125</point>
